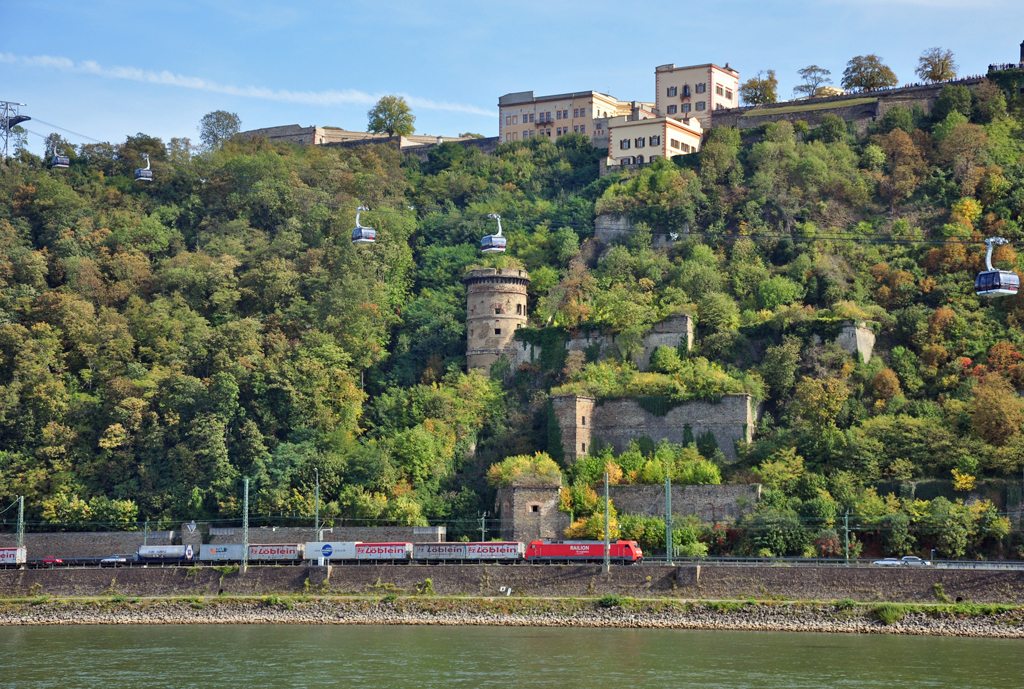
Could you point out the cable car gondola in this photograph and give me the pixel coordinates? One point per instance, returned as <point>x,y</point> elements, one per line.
<point>363,235</point>
<point>993,282</point>
<point>144,174</point>
<point>59,160</point>
<point>493,243</point>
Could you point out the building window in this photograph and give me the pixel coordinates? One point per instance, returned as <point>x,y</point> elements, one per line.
<point>686,107</point>
<point>599,125</point>
<point>515,119</point>
<point>640,142</point>
<point>565,114</point>
<point>702,88</point>
<point>497,310</point>
<point>624,144</point>
<point>508,119</point>
<point>655,141</point>
<point>639,160</point>
<point>653,158</point>
<point>728,94</point>
<point>674,143</point>
<point>530,116</point>
<point>583,421</point>
<point>583,112</point>
<point>718,106</point>
<point>549,132</point>
<point>558,114</point>
<point>536,508</point>
<point>700,105</point>
<point>719,90</point>
<point>686,148</point>
<point>575,127</point>
<point>686,91</point>
<point>672,91</point>
<point>671,110</point>
<point>576,112</point>
<point>583,448</point>
<point>583,129</point>
<point>497,331</point>
<point>519,309</point>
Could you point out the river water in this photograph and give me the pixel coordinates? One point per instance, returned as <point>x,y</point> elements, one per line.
<point>418,656</point>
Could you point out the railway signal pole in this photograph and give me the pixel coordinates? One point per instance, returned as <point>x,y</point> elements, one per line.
<point>668,519</point>
<point>846,527</point>
<point>245,529</point>
<point>483,526</point>
<point>607,531</point>
<point>316,508</point>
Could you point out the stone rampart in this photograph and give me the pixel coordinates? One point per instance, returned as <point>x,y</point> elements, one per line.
<point>617,422</point>
<point>92,544</point>
<point>707,581</point>
<point>861,113</point>
<point>711,503</point>
<point>609,228</point>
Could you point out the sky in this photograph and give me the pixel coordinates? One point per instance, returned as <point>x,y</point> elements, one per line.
<point>106,69</point>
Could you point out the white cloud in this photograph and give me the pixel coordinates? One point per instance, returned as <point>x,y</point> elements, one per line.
<point>165,78</point>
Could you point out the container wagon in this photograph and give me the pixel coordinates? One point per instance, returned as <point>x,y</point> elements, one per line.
<point>277,553</point>
<point>165,553</point>
<point>439,552</point>
<point>224,552</point>
<point>331,551</point>
<point>384,552</point>
<point>626,552</point>
<point>10,557</point>
<point>498,551</point>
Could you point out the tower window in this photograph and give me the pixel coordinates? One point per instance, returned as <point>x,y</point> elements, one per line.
<point>497,331</point>
<point>583,421</point>
<point>535,508</point>
<point>519,309</point>
<point>583,448</point>
<point>497,309</point>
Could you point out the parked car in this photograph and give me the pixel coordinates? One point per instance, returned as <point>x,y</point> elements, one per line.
<point>888,562</point>
<point>113,561</point>
<point>50,560</point>
<point>914,561</point>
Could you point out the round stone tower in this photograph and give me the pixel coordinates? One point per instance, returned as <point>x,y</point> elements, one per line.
<point>495,309</point>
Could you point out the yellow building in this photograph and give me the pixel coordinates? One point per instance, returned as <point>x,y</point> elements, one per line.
<point>638,141</point>
<point>523,115</point>
<point>696,91</point>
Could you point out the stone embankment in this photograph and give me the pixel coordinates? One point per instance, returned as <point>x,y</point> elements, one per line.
<point>976,621</point>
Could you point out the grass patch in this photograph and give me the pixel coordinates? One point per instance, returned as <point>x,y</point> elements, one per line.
<point>119,598</point>
<point>846,604</point>
<point>41,599</point>
<point>808,108</point>
<point>889,613</point>
<point>609,600</point>
<point>390,598</point>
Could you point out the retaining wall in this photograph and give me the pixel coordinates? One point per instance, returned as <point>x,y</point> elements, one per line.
<point>686,581</point>
<point>710,503</point>
<point>86,544</point>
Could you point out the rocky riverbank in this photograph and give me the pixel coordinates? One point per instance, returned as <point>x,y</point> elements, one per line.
<point>610,611</point>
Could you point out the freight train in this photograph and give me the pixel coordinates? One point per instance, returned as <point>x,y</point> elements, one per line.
<point>356,552</point>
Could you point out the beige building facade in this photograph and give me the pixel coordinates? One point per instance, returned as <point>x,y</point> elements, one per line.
<point>523,116</point>
<point>635,142</point>
<point>495,309</point>
<point>696,91</point>
<point>320,136</point>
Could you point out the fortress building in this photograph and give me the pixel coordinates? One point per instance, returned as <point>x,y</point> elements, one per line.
<point>495,309</point>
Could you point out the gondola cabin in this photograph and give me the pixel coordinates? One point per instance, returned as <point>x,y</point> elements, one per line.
<point>144,174</point>
<point>996,283</point>
<point>60,161</point>
<point>363,235</point>
<point>493,244</point>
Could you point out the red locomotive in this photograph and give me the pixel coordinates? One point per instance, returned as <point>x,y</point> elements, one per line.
<point>626,552</point>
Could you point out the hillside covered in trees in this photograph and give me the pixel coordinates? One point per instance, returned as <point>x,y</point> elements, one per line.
<point>158,342</point>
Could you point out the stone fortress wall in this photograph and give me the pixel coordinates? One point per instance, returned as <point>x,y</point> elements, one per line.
<point>584,422</point>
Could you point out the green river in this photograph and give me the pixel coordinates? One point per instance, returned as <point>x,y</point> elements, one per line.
<point>393,656</point>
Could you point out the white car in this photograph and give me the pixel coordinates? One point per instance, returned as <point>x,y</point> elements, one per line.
<point>913,561</point>
<point>888,562</point>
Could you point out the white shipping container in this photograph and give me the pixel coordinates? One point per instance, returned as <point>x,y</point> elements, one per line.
<point>12,556</point>
<point>275,552</point>
<point>225,552</point>
<point>331,550</point>
<point>439,551</point>
<point>496,550</point>
<point>383,551</point>
<point>165,552</point>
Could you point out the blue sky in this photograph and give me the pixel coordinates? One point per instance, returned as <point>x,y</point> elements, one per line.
<point>109,68</point>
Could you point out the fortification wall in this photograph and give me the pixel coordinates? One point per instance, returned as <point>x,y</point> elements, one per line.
<point>617,422</point>
<point>863,114</point>
<point>86,544</point>
<point>530,513</point>
<point>609,228</point>
<point>898,584</point>
<point>710,503</point>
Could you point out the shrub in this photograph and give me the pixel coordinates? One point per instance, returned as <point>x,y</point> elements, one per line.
<point>538,469</point>
<point>609,600</point>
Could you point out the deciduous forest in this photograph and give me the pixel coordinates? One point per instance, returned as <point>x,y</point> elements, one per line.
<point>161,341</point>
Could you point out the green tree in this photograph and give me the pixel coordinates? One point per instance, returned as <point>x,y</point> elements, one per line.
<point>952,98</point>
<point>867,72</point>
<point>760,89</point>
<point>813,76</point>
<point>779,367</point>
<point>832,128</point>
<point>393,115</point>
<point>217,127</point>
<point>936,64</point>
